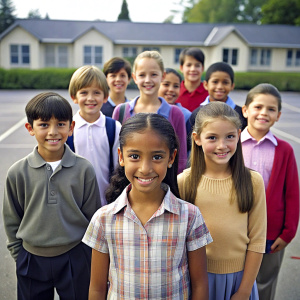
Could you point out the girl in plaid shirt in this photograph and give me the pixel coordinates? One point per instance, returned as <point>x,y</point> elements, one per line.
<point>147,243</point>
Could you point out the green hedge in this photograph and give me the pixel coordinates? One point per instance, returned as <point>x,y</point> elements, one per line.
<point>59,79</point>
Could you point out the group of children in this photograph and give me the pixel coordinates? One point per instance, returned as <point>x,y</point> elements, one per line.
<point>120,194</point>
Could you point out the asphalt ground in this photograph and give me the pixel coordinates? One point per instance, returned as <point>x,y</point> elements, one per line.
<point>15,143</point>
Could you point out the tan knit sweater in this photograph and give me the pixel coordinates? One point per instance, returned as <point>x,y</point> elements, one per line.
<point>233,232</point>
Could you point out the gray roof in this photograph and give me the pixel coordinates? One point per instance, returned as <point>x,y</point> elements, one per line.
<point>124,32</point>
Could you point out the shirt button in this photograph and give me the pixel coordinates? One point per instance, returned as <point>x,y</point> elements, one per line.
<point>48,168</point>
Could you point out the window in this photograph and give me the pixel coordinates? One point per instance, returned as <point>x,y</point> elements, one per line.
<point>293,58</point>
<point>56,56</point>
<point>261,57</point>
<point>177,54</point>
<point>129,51</point>
<point>151,49</point>
<point>19,54</point>
<point>93,55</point>
<point>230,56</point>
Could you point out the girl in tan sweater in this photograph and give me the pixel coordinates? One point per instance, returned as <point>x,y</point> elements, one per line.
<point>232,201</point>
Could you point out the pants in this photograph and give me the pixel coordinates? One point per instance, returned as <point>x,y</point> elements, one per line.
<point>268,274</point>
<point>69,273</point>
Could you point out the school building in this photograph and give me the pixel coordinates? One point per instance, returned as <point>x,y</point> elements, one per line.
<point>35,44</point>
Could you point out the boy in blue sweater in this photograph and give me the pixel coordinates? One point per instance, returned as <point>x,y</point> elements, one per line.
<point>49,198</point>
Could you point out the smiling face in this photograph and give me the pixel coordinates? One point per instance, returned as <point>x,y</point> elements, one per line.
<point>118,81</point>
<point>169,88</point>
<point>145,163</point>
<point>51,136</point>
<point>148,76</point>
<point>90,100</point>
<point>192,69</point>
<point>261,113</point>
<point>219,140</point>
<point>218,86</point>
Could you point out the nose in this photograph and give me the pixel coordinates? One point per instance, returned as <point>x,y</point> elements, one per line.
<point>52,130</point>
<point>222,144</point>
<point>146,167</point>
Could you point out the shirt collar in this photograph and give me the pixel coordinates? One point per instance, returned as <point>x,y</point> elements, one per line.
<point>163,110</point>
<point>245,135</point>
<point>229,102</point>
<point>36,161</point>
<point>109,100</point>
<point>79,121</point>
<point>169,203</point>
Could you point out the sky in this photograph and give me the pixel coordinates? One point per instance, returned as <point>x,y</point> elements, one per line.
<point>107,10</point>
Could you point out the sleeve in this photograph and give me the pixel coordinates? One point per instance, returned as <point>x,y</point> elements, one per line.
<point>198,235</point>
<point>94,236</point>
<point>92,199</point>
<point>180,129</point>
<point>11,218</point>
<point>257,216</point>
<point>291,194</point>
<point>116,144</point>
<point>116,112</point>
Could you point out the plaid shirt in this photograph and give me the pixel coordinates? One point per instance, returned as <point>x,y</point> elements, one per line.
<point>148,262</point>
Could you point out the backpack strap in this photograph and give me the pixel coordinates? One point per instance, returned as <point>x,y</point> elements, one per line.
<point>110,126</point>
<point>122,112</point>
<point>70,142</point>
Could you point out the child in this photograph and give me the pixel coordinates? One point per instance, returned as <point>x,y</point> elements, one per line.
<point>219,82</point>
<point>192,92</point>
<point>169,90</point>
<point>232,200</point>
<point>95,137</point>
<point>147,242</point>
<point>148,73</point>
<point>118,74</point>
<point>49,199</point>
<point>275,160</point>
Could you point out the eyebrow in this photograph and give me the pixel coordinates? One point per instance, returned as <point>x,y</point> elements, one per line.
<point>153,152</point>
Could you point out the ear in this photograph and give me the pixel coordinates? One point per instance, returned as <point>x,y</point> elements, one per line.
<point>71,129</point>
<point>30,129</point>
<point>278,116</point>
<point>232,86</point>
<point>74,99</point>
<point>172,157</point>
<point>121,158</point>
<point>105,99</point>
<point>197,138</point>
<point>181,68</point>
<point>245,111</point>
<point>134,77</point>
<point>205,84</point>
<point>163,76</point>
<point>239,134</point>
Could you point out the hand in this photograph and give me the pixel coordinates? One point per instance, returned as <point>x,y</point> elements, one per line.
<point>278,245</point>
<point>240,296</point>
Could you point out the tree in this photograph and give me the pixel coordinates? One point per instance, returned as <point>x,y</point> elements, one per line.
<point>250,11</point>
<point>124,14</point>
<point>6,14</point>
<point>34,14</point>
<point>281,12</point>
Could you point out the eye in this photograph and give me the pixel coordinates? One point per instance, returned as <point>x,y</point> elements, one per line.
<point>165,84</point>
<point>43,125</point>
<point>134,156</point>
<point>231,136</point>
<point>61,124</point>
<point>212,138</point>
<point>157,157</point>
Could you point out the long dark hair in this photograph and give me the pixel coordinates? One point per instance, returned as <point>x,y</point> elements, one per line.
<point>241,177</point>
<point>139,123</point>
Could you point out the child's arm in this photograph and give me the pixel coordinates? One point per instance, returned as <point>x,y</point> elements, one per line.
<point>99,275</point>
<point>252,264</point>
<point>198,273</point>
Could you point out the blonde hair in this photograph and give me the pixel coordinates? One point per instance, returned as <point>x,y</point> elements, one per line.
<point>241,177</point>
<point>84,77</point>
<point>149,54</point>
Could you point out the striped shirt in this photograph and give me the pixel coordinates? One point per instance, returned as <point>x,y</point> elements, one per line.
<point>150,261</point>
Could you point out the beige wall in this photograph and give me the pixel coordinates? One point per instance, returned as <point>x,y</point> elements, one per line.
<point>20,37</point>
<point>91,38</point>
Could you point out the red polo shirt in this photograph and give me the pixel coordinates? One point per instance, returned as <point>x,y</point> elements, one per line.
<point>192,100</point>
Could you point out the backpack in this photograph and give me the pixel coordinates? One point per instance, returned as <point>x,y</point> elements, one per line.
<point>110,126</point>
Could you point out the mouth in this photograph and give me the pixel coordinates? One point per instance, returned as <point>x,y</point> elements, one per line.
<point>53,141</point>
<point>262,120</point>
<point>222,155</point>
<point>145,181</point>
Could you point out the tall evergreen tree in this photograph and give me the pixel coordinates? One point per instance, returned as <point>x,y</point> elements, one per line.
<point>124,14</point>
<point>6,14</point>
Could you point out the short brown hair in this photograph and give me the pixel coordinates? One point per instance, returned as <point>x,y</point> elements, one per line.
<point>84,77</point>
